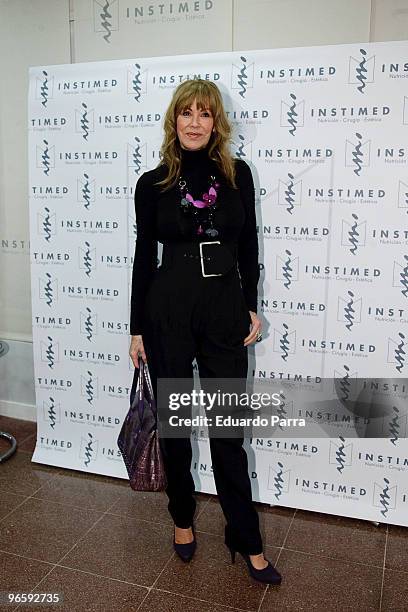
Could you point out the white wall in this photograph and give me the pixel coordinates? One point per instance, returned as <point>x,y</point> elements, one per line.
<point>389,20</point>
<point>41,32</point>
<point>297,23</point>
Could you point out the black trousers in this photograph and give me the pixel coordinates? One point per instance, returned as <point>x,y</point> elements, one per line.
<point>188,316</point>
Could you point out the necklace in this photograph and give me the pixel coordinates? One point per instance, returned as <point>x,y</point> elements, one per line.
<point>189,205</point>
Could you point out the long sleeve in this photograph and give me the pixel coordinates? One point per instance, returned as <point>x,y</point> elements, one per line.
<point>145,259</point>
<point>248,249</point>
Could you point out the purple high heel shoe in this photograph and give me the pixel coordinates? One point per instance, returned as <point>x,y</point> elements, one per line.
<point>185,551</point>
<point>268,574</point>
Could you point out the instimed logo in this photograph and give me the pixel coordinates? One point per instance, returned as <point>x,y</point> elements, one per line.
<point>397,352</point>
<point>285,408</point>
<point>242,149</point>
<point>284,342</point>
<point>45,157</point>
<point>137,156</point>
<point>86,191</point>
<point>345,383</point>
<point>357,154</point>
<point>106,17</point>
<point>242,76</point>
<point>361,70</point>
<point>395,425</point>
<point>349,310</point>
<point>49,352</point>
<point>44,88</point>
<point>89,387</point>
<point>84,121</point>
<point>287,269</point>
<point>89,449</point>
<point>290,193</point>
<point>51,412</point>
<point>48,289</point>
<point>137,78</point>
<point>385,496</point>
<point>278,480</point>
<point>353,234</point>
<point>292,114</point>
<point>340,454</point>
<point>46,224</point>
<point>88,324</point>
<point>87,258</point>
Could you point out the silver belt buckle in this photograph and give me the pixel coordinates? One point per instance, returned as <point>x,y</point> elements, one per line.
<point>202,257</point>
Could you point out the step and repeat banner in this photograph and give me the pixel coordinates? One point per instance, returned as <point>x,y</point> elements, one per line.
<point>325,131</point>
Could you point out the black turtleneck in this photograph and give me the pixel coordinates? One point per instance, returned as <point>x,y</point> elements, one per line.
<point>196,162</point>
<point>189,157</point>
<point>159,218</point>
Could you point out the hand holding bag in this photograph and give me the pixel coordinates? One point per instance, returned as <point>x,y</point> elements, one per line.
<point>138,439</point>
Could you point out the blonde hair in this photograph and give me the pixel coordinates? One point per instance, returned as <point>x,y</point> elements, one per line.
<point>207,95</point>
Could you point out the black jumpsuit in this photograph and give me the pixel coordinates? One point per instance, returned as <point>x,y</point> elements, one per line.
<point>182,315</point>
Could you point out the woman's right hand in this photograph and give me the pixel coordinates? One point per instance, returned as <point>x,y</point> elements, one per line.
<point>136,348</point>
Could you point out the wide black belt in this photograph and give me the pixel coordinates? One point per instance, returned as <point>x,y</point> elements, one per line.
<point>215,258</point>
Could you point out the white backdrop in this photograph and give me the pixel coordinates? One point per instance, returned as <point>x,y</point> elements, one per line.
<point>325,131</point>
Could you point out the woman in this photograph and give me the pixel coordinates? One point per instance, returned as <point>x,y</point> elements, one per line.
<point>201,302</point>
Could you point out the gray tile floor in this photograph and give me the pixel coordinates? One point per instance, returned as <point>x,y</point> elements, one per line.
<point>107,548</point>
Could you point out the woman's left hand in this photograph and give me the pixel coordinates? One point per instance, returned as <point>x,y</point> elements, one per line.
<point>255,332</point>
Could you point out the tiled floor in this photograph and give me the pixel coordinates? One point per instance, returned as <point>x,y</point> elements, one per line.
<point>109,549</point>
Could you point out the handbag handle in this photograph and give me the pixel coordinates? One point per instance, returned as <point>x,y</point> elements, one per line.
<point>149,386</point>
<point>140,390</point>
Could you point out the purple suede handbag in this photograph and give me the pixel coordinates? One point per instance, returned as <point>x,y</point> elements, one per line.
<point>138,439</point>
